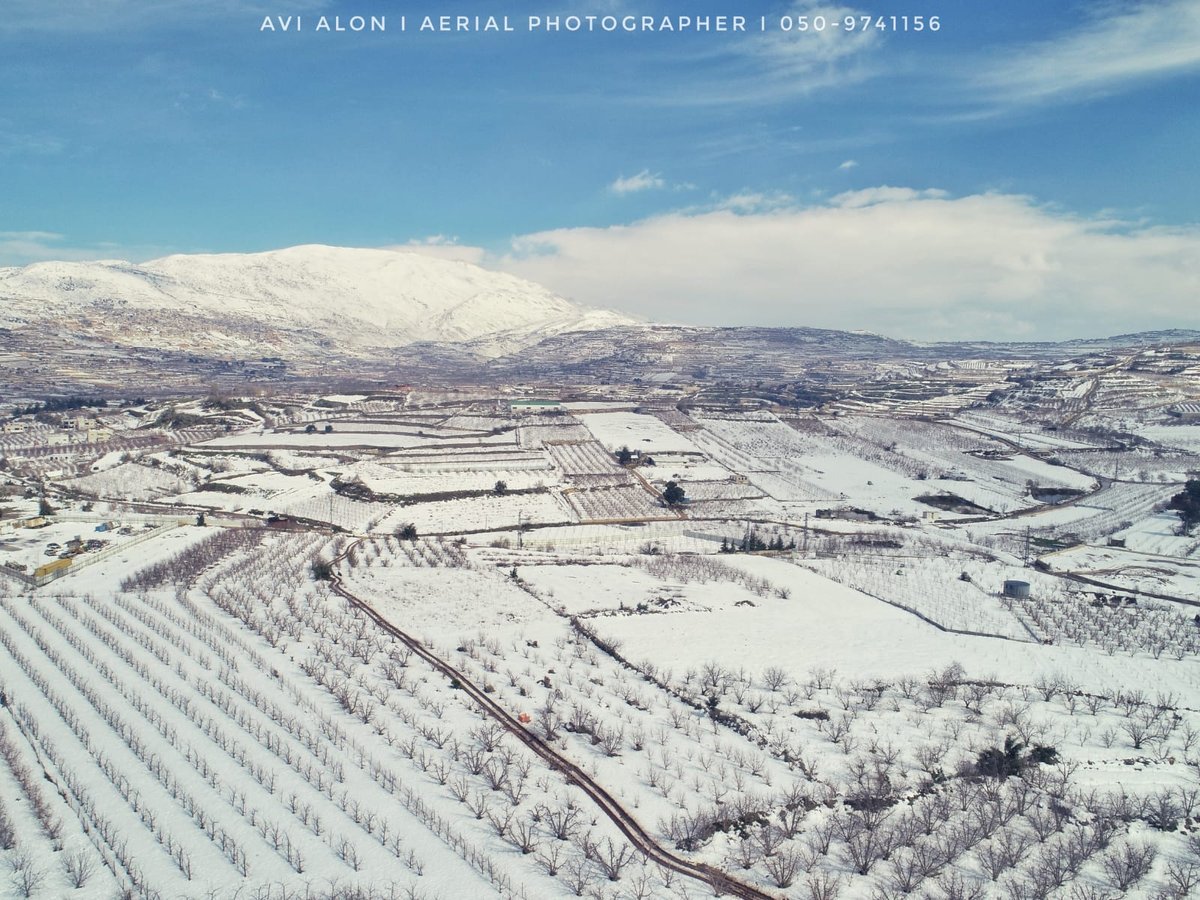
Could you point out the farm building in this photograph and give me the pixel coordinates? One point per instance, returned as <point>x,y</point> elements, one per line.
<point>1186,412</point>
<point>525,407</point>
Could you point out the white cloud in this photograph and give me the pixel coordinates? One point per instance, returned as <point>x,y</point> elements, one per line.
<point>771,67</point>
<point>904,262</point>
<point>30,236</point>
<point>883,194</point>
<point>443,247</point>
<point>21,248</point>
<point>848,165</point>
<point>913,263</point>
<point>1131,45</point>
<point>753,201</point>
<point>18,248</point>
<point>811,52</point>
<point>644,180</point>
<point>22,144</point>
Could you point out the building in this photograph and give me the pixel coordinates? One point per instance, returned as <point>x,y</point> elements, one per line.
<point>1186,412</point>
<point>525,407</point>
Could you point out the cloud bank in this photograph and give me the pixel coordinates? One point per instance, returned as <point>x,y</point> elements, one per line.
<point>910,263</point>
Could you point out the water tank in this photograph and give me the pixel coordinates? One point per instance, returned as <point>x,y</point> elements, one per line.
<point>1018,590</point>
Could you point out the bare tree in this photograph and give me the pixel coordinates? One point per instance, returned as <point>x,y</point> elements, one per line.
<point>823,886</point>
<point>524,835</point>
<point>8,834</point>
<point>578,874</point>
<point>1128,863</point>
<point>774,678</point>
<point>953,886</point>
<point>612,858</point>
<point>1162,812</point>
<point>26,877</point>
<point>80,865</point>
<point>550,856</point>
<point>1048,685</point>
<point>784,866</point>
<point>1183,880</point>
<point>563,820</point>
<point>904,872</point>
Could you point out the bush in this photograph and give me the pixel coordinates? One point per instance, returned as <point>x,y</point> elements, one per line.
<point>1003,762</point>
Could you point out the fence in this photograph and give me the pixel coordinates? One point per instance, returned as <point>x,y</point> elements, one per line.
<point>52,571</point>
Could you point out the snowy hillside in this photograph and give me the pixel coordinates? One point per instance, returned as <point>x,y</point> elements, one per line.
<point>353,298</point>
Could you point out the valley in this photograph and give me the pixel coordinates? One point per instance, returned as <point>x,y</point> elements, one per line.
<point>878,625</point>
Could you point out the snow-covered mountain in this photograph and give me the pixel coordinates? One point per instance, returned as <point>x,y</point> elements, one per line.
<point>352,299</point>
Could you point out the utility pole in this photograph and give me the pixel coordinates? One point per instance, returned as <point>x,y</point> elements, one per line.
<point>806,534</point>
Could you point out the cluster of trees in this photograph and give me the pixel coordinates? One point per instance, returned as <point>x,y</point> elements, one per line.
<point>625,456</point>
<point>751,542</point>
<point>62,404</point>
<point>1187,504</point>
<point>1011,759</point>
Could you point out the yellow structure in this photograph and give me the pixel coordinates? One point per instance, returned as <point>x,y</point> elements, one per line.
<point>49,568</point>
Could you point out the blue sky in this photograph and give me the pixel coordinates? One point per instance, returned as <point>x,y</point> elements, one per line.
<point>1027,170</point>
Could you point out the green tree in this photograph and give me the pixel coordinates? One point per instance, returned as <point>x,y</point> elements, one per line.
<point>1187,504</point>
<point>673,494</point>
<point>1001,762</point>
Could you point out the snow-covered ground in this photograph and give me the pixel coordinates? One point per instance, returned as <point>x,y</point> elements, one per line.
<point>202,714</point>
<point>637,431</point>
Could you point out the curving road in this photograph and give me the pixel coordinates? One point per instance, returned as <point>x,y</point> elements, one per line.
<point>716,880</point>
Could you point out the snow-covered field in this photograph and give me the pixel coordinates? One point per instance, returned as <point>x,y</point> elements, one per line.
<point>477,513</point>
<point>637,431</point>
<point>1186,437</point>
<point>552,687</point>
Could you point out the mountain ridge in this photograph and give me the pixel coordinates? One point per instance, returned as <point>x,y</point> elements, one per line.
<point>360,299</point>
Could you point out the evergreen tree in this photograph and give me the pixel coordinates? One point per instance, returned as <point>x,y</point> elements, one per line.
<point>673,494</point>
<point>1187,503</point>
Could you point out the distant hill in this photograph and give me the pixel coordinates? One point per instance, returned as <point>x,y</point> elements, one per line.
<point>290,302</point>
<point>317,314</point>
